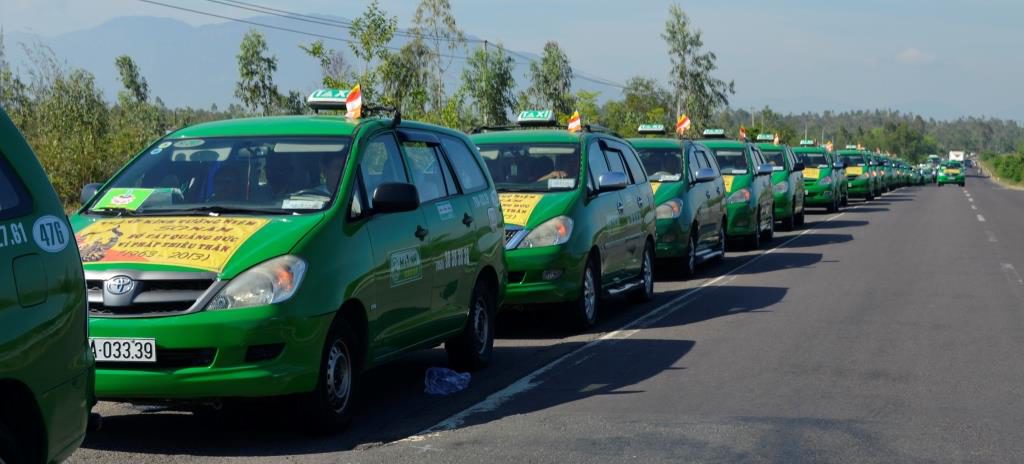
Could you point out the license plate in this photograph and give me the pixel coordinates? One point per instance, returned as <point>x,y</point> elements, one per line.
<point>140,350</point>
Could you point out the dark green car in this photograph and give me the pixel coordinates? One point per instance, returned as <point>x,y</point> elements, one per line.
<point>690,195</point>
<point>46,368</point>
<point>579,214</point>
<point>750,214</point>
<point>861,173</point>
<point>787,181</point>
<point>951,172</point>
<point>824,177</point>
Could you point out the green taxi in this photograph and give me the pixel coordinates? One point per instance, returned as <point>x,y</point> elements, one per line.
<point>861,172</point>
<point>951,172</point>
<point>690,195</point>
<point>46,368</point>
<point>824,177</point>
<point>579,214</point>
<point>750,214</point>
<point>282,256</point>
<point>787,181</point>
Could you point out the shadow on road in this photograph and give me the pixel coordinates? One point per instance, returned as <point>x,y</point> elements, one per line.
<point>813,240</point>
<point>779,261</point>
<point>871,209</point>
<point>838,224</point>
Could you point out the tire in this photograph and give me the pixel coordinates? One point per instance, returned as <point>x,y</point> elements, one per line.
<point>754,240</point>
<point>689,263</point>
<point>646,291</point>
<point>846,200</point>
<point>329,407</point>
<point>790,222</point>
<point>870,196</point>
<point>10,452</point>
<point>832,208</point>
<point>769,234</point>
<point>473,348</point>
<point>586,308</point>
<point>801,219</point>
<point>963,184</point>
<point>722,243</point>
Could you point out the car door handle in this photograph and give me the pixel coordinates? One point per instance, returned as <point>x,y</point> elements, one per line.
<point>421,233</point>
<point>621,208</point>
<point>707,193</point>
<point>640,201</point>
<point>467,219</point>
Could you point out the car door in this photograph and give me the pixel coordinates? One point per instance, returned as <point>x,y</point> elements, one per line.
<point>629,215</point>
<point>796,180</point>
<point>698,194</point>
<point>640,195</point>
<point>604,210</point>
<point>400,253</point>
<point>763,187</point>
<point>716,196</point>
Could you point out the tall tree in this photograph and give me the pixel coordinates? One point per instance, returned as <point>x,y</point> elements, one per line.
<point>13,92</point>
<point>435,24</point>
<point>551,81</point>
<point>334,70</point>
<point>405,79</point>
<point>487,79</point>
<point>135,86</point>
<point>255,86</point>
<point>371,34</point>
<point>698,92</point>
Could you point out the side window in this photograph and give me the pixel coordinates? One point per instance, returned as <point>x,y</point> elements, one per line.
<point>636,169</point>
<point>466,165</point>
<point>14,198</point>
<point>710,161</point>
<point>615,163</point>
<point>381,163</point>
<point>598,165</point>
<point>756,156</point>
<point>427,170</point>
<point>693,163</point>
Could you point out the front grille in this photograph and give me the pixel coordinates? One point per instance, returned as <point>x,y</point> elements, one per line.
<point>153,294</point>
<point>168,359</point>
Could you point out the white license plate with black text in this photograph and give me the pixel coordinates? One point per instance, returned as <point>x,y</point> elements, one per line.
<point>141,350</point>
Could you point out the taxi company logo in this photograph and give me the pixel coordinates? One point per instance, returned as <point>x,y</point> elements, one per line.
<point>405,266</point>
<point>453,258</point>
<point>120,285</point>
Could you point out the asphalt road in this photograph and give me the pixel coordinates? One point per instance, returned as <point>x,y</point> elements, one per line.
<point>890,332</point>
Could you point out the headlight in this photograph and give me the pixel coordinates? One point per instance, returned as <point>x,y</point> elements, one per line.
<point>669,210</point>
<point>780,187</point>
<point>552,232</point>
<point>827,180</point>
<point>266,283</point>
<point>739,196</point>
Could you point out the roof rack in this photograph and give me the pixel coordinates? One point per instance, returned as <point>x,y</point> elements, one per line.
<point>599,129</point>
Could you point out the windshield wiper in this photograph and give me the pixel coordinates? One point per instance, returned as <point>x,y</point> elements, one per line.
<point>114,212</point>
<point>216,209</point>
<point>522,189</point>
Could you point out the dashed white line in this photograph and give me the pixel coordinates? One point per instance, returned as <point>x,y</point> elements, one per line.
<point>970,199</point>
<point>1011,273</point>
<point>991,236</point>
<point>974,207</point>
<point>981,218</point>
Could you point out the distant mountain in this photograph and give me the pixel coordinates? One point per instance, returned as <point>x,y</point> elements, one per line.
<point>195,65</point>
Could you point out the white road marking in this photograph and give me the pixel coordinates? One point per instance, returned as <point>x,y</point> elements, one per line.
<point>991,236</point>
<point>974,207</point>
<point>970,199</point>
<point>531,380</point>
<point>981,218</point>
<point>1011,273</point>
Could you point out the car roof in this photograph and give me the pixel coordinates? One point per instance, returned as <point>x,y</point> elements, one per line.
<point>770,146</point>
<point>527,135</point>
<point>723,143</point>
<point>656,142</point>
<point>305,125</point>
<point>809,150</point>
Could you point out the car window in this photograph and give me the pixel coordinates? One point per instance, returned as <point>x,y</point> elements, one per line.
<point>615,163</point>
<point>532,166</point>
<point>710,161</point>
<point>636,170</point>
<point>692,163</point>
<point>662,164</point>
<point>467,168</point>
<point>14,198</point>
<point>598,164</point>
<point>427,171</point>
<point>731,160</point>
<point>381,163</point>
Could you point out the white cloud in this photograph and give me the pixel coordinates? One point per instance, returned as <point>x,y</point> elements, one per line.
<point>915,56</point>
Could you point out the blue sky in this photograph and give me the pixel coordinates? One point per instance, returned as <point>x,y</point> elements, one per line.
<point>941,58</point>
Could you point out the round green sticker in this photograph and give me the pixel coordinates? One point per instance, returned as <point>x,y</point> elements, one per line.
<point>191,143</point>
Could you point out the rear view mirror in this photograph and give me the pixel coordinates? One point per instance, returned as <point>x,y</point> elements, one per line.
<point>395,197</point>
<point>89,191</point>
<point>704,175</point>
<point>799,166</point>
<point>765,170</point>
<point>611,181</point>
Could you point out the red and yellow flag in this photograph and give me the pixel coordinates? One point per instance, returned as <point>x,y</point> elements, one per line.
<point>354,103</point>
<point>776,141</point>
<point>574,122</point>
<point>682,124</point>
<point>743,133</point>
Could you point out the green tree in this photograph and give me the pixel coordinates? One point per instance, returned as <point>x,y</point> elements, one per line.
<point>371,34</point>
<point>698,93</point>
<point>487,79</point>
<point>405,79</point>
<point>135,86</point>
<point>13,92</point>
<point>644,102</point>
<point>255,86</point>
<point>335,73</point>
<point>435,24</point>
<point>550,82</point>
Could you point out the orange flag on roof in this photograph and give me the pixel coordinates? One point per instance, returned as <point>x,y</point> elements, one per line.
<point>828,146</point>
<point>682,124</point>
<point>776,141</point>
<point>743,133</point>
<point>354,103</point>
<point>574,122</point>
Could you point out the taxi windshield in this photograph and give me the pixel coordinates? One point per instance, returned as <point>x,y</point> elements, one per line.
<point>775,159</point>
<point>954,165</point>
<point>257,175</point>
<point>532,167</point>
<point>662,164</point>
<point>731,161</point>
<point>853,160</point>
<point>812,159</point>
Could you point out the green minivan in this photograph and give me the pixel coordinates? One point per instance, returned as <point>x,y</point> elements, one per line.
<point>787,181</point>
<point>750,214</point>
<point>861,173</point>
<point>690,195</point>
<point>951,172</point>
<point>46,368</point>
<point>285,256</point>
<point>824,176</point>
<point>579,214</point>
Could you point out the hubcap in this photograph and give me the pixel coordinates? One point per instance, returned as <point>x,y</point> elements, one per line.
<point>339,376</point>
<point>589,294</point>
<point>480,325</point>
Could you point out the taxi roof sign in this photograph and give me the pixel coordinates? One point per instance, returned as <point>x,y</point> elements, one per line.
<point>651,129</point>
<point>327,99</point>
<point>765,137</point>
<point>537,118</point>
<point>807,143</point>
<point>851,147</point>
<point>714,133</point>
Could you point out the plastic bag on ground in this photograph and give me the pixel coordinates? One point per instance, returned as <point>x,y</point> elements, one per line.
<point>444,381</point>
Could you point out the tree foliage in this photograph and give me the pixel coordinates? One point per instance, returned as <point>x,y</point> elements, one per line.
<point>135,86</point>
<point>487,79</point>
<point>550,82</point>
<point>434,23</point>
<point>698,93</point>
<point>255,87</point>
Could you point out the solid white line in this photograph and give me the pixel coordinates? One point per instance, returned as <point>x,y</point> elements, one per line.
<point>981,218</point>
<point>530,381</point>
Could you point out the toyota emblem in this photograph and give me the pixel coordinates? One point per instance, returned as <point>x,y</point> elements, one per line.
<point>120,285</point>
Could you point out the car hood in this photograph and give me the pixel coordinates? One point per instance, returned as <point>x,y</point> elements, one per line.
<point>226,245</point>
<point>734,182</point>
<point>530,209</point>
<point>665,191</point>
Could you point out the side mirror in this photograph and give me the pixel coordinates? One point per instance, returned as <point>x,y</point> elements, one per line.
<point>611,181</point>
<point>704,175</point>
<point>395,197</point>
<point>838,165</point>
<point>89,191</point>
<point>765,170</point>
<point>799,166</point>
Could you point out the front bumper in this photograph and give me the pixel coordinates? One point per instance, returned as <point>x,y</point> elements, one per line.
<point>860,187</point>
<point>783,205</point>
<point>186,342</point>
<point>527,283</point>
<point>819,195</point>
<point>672,239</point>
<point>742,220</point>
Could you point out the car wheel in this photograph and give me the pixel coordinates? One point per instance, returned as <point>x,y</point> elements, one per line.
<point>590,296</point>
<point>10,451</point>
<point>790,222</point>
<point>769,234</point>
<point>722,242</point>
<point>800,220</point>
<point>754,240</point>
<point>331,403</point>
<point>690,261</point>
<point>833,207</point>
<point>472,349</point>
<point>646,291</point>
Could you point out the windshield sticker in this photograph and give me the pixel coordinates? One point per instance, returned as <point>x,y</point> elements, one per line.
<point>728,182</point>
<point>655,186</point>
<point>561,183</point>
<point>191,143</point>
<point>12,234</point>
<point>811,173</point>
<point>405,266</point>
<point>854,170</point>
<point>452,259</point>
<point>445,210</point>
<point>126,198</point>
<point>302,204</point>
<point>51,234</point>
<point>198,242</point>
<point>156,151</point>
<point>517,207</point>
<point>164,145</point>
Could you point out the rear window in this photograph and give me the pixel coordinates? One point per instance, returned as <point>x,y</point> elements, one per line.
<point>14,198</point>
<point>731,161</point>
